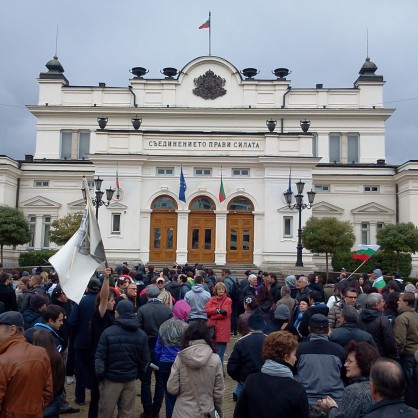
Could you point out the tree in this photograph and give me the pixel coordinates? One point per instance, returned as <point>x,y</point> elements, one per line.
<point>64,228</point>
<point>398,238</point>
<point>14,228</point>
<point>327,236</point>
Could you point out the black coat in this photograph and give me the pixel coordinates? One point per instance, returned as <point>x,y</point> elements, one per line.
<point>347,332</point>
<point>8,297</point>
<point>122,354</point>
<point>392,409</point>
<point>273,397</point>
<point>312,310</point>
<point>245,358</point>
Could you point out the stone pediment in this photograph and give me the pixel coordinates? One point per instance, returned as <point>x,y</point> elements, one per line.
<point>371,208</point>
<point>79,204</point>
<point>118,206</point>
<point>326,208</point>
<point>40,202</point>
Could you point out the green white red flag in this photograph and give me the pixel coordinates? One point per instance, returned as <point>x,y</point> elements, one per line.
<point>222,195</point>
<point>364,252</point>
<point>205,25</point>
<point>117,194</point>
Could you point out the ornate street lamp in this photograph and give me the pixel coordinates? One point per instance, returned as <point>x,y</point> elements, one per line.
<point>299,205</point>
<point>271,124</point>
<point>97,200</point>
<point>102,121</point>
<point>305,124</point>
<point>136,122</point>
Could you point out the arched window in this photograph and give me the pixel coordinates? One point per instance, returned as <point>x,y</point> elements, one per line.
<point>240,204</point>
<point>164,203</point>
<point>202,203</point>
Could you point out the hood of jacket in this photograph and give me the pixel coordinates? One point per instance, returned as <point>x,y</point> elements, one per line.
<point>196,355</point>
<point>30,316</point>
<point>127,321</point>
<point>368,315</point>
<point>198,288</point>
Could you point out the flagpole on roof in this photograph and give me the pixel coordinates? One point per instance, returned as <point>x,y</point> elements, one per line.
<point>210,28</point>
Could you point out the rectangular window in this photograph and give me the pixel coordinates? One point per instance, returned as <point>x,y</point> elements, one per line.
<point>202,171</point>
<point>380,225</point>
<point>315,145</point>
<point>335,148</point>
<point>288,227</point>
<point>116,223</point>
<point>241,172</point>
<point>32,228</point>
<point>165,171</point>
<point>66,145</point>
<point>41,183</point>
<point>353,148</point>
<point>83,145</point>
<point>75,145</point>
<point>365,233</point>
<point>46,228</point>
<point>371,189</point>
<point>322,188</point>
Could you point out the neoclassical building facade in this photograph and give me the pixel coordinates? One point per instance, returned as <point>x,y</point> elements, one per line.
<point>209,121</point>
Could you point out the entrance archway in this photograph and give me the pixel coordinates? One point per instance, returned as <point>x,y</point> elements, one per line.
<point>163,234</point>
<point>201,236</point>
<point>240,231</point>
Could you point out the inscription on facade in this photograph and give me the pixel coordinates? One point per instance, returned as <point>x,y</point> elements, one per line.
<point>169,143</point>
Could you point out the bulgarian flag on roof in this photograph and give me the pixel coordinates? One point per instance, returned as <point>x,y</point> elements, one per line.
<point>222,195</point>
<point>364,252</point>
<point>205,25</point>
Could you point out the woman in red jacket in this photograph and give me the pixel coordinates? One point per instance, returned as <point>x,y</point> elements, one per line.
<point>218,310</point>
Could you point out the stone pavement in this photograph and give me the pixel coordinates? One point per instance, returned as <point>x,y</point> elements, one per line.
<point>229,404</point>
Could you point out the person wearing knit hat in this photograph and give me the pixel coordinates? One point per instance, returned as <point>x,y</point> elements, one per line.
<point>124,307</point>
<point>246,358</point>
<point>280,321</point>
<point>33,314</point>
<point>168,345</point>
<point>409,288</point>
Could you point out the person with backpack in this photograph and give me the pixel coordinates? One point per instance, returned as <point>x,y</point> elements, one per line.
<point>234,292</point>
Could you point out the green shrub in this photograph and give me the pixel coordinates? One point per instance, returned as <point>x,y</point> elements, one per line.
<point>35,258</point>
<point>385,260</point>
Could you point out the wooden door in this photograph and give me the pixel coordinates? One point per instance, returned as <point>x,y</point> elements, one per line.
<point>163,234</point>
<point>201,237</point>
<point>240,237</point>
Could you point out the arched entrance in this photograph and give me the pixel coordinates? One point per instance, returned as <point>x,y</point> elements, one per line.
<point>201,236</point>
<point>240,231</point>
<point>163,234</point>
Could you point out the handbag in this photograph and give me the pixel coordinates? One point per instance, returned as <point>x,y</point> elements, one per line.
<point>211,414</point>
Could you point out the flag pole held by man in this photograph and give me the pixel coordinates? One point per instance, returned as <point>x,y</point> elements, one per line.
<point>79,258</point>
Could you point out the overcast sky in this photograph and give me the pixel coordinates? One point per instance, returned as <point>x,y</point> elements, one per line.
<point>320,41</point>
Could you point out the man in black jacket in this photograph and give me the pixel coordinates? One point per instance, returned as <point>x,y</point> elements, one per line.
<point>349,330</point>
<point>317,307</point>
<point>122,356</point>
<point>387,384</point>
<point>7,294</point>
<point>151,316</point>
<point>375,323</point>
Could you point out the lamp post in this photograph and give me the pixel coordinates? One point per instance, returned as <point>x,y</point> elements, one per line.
<point>299,205</point>
<point>97,200</point>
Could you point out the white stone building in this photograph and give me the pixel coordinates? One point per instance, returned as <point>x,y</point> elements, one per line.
<point>210,121</point>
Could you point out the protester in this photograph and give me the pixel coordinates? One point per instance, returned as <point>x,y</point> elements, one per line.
<point>387,384</point>
<point>196,377</point>
<point>250,306</point>
<point>168,345</point>
<point>356,397</point>
<point>273,392</point>
<point>246,357</point>
<point>7,294</point>
<point>303,289</point>
<point>197,298</point>
<point>317,306</point>
<point>286,299</point>
<point>117,373</point>
<point>349,299</point>
<point>44,339</point>
<point>151,316</point>
<point>25,371</point>
<point>280,321</point>
<point>33,313</point>
<point>218,310</point>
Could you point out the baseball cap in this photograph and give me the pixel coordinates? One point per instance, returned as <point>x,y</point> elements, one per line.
<point>318,321</point>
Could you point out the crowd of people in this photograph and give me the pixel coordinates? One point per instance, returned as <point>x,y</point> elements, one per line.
<point>305,347</point>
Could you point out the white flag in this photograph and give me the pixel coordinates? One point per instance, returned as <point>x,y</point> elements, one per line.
<point>79,258</point>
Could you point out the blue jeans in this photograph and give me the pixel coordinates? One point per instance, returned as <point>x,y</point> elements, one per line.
<point>221,351</point>
<point>170,400</point>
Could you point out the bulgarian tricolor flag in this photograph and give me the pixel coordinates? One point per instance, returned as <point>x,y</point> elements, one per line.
<point>117,194</point>
<point>222,195</point>
<point>205,25</point>
<point>364,252</point>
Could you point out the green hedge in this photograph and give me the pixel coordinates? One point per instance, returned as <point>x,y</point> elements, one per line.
<point>384,260</point>
<point>35,258</point>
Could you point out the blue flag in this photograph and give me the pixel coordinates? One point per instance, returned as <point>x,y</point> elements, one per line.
<point>183,187</point>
